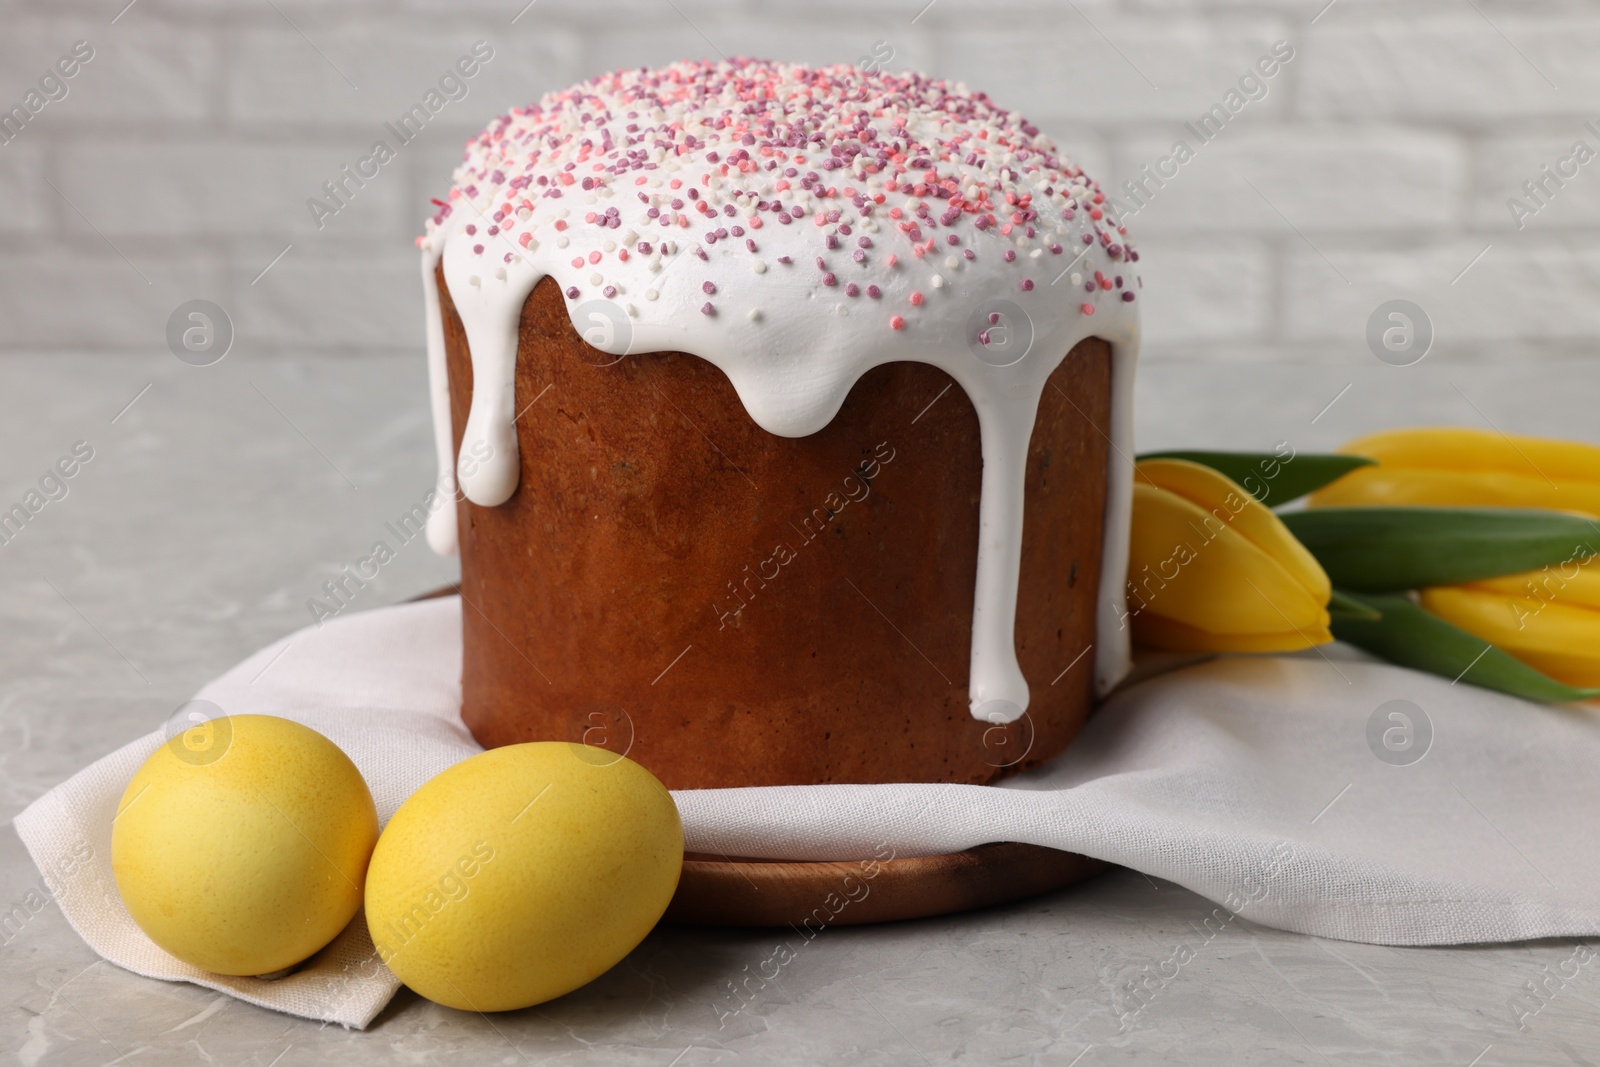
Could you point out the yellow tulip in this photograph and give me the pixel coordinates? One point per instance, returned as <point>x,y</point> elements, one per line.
<point>1211,569</point>
<point>1548,619</point>
<point>1468,468</point>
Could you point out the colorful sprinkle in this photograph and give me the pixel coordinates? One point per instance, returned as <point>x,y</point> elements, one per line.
<point>862,159</point>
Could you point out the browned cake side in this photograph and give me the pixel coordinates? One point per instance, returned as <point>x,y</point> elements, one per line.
<point>734,608</point>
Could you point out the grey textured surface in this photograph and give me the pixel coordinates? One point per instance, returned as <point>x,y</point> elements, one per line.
<point>221,499</point>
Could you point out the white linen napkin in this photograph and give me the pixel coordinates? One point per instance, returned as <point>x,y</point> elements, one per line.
<point>1280,787</point>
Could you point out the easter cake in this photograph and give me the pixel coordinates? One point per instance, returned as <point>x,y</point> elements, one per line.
<point>783,419</point>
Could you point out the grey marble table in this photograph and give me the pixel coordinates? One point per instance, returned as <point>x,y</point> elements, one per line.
<point>219,501</point>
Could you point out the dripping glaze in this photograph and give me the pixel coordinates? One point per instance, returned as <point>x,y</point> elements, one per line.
<point>797,227</point>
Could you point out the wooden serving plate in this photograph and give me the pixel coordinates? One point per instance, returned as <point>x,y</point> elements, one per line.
<point>725,891</point>
<point>718,891</point>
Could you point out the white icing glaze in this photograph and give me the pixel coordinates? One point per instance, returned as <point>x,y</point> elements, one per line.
<point>442,532</point>
<point>793,340</point>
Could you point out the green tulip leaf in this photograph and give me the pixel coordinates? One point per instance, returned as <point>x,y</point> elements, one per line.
<point>1342,606</point>
<point>1392,549</point>
<point>1269,477</point>
<point>1407,635</point>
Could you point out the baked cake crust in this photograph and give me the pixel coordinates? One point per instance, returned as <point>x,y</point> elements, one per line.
<point>734,608</point>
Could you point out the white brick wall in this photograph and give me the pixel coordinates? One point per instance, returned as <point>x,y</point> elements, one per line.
<point>1309,176</point>
<point>1381,157</point>
<point>1153,68</point>
<point>1453,65</point>
<point>1537,292</point>
<point>193,188</point>
<point>23,191</point>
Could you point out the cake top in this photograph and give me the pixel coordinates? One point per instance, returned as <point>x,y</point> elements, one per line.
<point>881,171</point>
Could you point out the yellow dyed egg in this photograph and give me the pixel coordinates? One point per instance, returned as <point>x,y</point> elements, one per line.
<point>241,845</point>
<point>522,873</point>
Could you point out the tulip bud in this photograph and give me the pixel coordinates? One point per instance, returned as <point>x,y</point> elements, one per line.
<point>1212,570</point>
<point>1468,468</point>
<point>1549,619</point>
